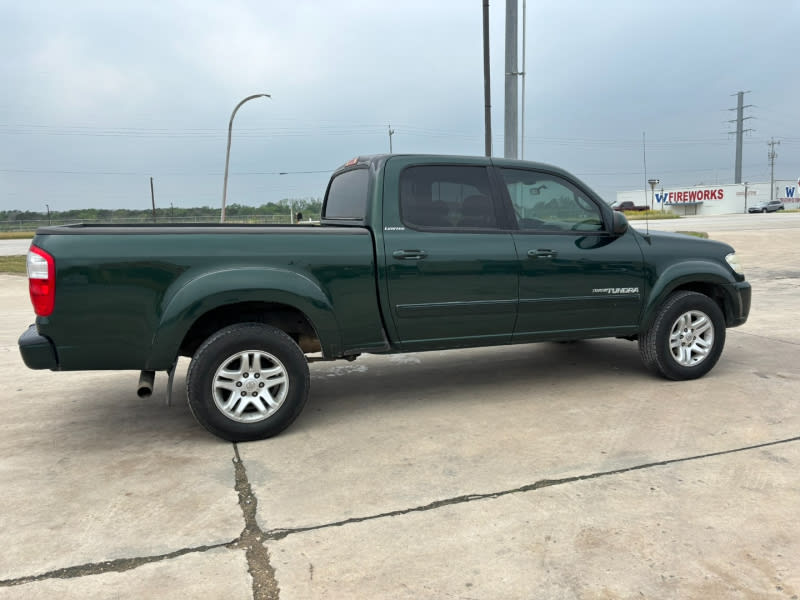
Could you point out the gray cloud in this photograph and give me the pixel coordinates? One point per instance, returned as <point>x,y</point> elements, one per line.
<point>100,96</point>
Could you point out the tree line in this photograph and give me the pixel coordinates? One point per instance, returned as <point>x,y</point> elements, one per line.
<point>310,207</point>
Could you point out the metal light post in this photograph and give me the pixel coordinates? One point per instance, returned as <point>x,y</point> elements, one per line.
<point>228,152</point>
<point>746,183</point>
<point>653,183</point>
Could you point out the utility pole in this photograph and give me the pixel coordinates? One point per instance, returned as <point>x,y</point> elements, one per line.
<point>511,144</point>
<point>772,155</point>
<point>487,94</point>
<point>739,120</point>
<point>522,73</point>
<point>391,133</point>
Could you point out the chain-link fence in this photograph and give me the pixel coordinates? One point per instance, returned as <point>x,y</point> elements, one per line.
<point>32,225</point>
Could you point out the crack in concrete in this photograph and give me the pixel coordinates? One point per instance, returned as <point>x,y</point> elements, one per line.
<point>118,565</point>
<point>279,534</point>
<point>265,586</point>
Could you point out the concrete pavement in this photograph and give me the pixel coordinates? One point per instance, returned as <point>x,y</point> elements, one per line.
<point>542,471</point>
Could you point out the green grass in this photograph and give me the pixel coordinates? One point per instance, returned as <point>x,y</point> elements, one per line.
<point>16,235</point>
<point>700,234</point>
<point>13,264</point>
<point>652,215</point>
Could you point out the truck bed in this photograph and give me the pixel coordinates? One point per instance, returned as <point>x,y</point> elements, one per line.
<point>125,288</point>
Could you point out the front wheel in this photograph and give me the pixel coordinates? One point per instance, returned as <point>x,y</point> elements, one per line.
<point>247,382</point>
<point>686,338</point>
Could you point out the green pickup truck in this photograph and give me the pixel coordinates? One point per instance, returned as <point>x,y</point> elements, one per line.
<point>414,253</point>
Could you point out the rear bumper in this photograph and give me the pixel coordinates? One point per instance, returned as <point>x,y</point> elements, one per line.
<point>37,351</point>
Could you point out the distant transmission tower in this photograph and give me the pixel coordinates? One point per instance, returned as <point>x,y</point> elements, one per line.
<point>772,155</point>
<point>739,120</point>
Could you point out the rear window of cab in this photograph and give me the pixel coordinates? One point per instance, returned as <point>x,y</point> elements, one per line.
<point>347,196</point>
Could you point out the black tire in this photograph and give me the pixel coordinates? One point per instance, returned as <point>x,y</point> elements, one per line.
<point>763,210</point>
<point>247,382</point>
<point>694,324</point>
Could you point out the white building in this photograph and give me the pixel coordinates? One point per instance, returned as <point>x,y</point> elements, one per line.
<point>714,199</point>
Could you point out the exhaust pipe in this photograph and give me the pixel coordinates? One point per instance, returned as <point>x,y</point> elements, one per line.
<point>145,387</point>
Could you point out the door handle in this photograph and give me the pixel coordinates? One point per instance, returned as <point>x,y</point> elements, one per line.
<point>409,254</point>
<point>542,253</point>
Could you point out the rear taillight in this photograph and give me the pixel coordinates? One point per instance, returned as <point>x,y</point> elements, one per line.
<point>41,281</point>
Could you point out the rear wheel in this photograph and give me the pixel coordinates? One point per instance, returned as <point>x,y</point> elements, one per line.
<point>247,382</point>
<point>686,338</point>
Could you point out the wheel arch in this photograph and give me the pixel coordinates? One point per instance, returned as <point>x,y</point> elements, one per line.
<point>287,318</point>
<point>283,299</point>
<point>704,278</point>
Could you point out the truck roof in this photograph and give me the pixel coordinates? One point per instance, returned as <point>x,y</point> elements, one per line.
<point>373,159</point>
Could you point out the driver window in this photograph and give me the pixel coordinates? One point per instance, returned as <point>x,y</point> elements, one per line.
<point>545,202</point>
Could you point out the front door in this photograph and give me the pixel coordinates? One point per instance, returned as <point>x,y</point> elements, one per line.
<point>577,278</point>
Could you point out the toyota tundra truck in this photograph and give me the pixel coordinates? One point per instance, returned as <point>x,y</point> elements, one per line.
<point>413,253</point>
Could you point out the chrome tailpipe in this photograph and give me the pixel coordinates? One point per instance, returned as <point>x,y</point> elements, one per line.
<point>145,387</point>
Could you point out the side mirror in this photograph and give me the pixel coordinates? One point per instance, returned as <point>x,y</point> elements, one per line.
<point>620,223</point>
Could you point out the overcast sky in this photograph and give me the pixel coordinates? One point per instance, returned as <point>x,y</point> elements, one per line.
<point>98,96</point>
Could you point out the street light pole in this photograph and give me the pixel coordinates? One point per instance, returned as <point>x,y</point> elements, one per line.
<point>653,183</point>
<point>228,153</point>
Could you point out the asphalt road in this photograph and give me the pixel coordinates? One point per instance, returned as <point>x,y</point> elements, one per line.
<point>541,471</point>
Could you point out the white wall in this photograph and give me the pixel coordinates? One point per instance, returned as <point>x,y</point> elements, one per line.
<point>714,199</point>
<point>788,192</point>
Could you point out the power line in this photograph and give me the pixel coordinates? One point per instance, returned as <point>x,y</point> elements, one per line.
<point>327,130</point>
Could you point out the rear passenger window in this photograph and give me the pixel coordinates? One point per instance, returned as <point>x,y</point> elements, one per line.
<point>447,197</point>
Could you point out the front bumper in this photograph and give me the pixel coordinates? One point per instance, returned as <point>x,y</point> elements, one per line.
<point>37,351</point>
<point>741,293</point>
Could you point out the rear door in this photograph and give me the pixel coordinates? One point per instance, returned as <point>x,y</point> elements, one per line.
<point>451,268</point>
<point>577,278</point>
